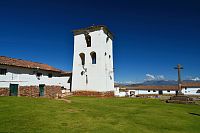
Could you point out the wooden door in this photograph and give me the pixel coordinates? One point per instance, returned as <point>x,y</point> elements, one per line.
<point>41,87</point>
<point>13,89</point>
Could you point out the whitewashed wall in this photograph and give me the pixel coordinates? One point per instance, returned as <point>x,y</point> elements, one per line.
<point>117,93</point>
<point>138,92</point>
<point>25,77</point>
<point>190,91</point>
<point>100,75</point>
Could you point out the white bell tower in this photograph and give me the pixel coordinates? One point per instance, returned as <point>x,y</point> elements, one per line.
<point>93,60</point>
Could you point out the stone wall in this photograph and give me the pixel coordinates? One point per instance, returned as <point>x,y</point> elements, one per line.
<point>53,91</point>
<point>94,93</point>
<point>4,91</point>
<point>33,91</point>
<point>30,91</point>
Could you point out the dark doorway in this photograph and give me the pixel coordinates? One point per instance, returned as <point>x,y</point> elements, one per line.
<point>13,89</point>
<point>160,92</point>
<point>41,88</point>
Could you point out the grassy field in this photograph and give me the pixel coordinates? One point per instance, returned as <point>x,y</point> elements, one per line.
<point>89,114</point>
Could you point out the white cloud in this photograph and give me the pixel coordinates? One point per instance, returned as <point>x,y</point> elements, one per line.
<point>151,77</point>
<point>194,78</point>
<point>160,77</point>
<point>126,82</point>
<point>129,82</point>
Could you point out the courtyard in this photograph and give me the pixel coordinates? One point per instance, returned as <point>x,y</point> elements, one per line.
<point>90,114</point>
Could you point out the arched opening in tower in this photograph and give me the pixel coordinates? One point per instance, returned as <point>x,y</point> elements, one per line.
<point>82,56</point>
<point>88,39</point>
<point>93,57</point>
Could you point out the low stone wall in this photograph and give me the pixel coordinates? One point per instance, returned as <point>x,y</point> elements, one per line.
<point>4,91</point>
<point>33,91</point>
<point>94,93</point>
<point>53,91</point>
<point>30,91</point>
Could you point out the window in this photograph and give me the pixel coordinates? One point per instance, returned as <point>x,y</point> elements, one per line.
<point>93,56</point>
<point>50,75</point>
<point>148,90</point>
<point>109,56</point>
<point>3,71</point>
<point>82,56</point>
<point>88,39</point>
<point>154,90</point>
<point>39,74</point>
<point>168,90</point>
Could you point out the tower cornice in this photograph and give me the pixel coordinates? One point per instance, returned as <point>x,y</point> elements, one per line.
<point>92,29</point>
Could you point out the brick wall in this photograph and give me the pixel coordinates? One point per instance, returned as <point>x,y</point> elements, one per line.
<point>30,91</point>
<point>4,91</point>
<point>53,91</point>
<point>94,93</point>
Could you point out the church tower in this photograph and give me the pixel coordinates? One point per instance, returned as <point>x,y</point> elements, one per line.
<point>93,60</point>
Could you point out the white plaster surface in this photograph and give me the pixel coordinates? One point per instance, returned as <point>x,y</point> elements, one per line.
<point>26,77</point>
<point>100,76</point>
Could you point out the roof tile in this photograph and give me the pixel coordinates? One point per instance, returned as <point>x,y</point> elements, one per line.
<point>28,64</point>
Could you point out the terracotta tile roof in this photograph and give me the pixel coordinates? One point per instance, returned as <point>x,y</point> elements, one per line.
<point>162,87</point>
<point>28,64</point>
<point>190,84</point>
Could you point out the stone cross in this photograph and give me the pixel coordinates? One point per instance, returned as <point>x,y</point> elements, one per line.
<point>179,67</point>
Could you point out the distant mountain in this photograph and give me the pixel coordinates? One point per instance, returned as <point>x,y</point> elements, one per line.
<point>165,82</point>
<point>160,82</point>
<point>191,80</point>
<point>157,82</point>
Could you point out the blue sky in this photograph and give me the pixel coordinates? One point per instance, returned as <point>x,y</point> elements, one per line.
<point>151,37</point>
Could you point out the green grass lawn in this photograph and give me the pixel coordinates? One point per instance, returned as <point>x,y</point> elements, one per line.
<point>89,114</point>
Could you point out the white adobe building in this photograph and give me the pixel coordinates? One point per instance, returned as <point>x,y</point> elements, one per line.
<point>187,89</point>
<point>17,74</point>
<point>93,60</point>
<point>191,91</point>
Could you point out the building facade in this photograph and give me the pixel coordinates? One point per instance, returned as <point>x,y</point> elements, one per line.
<point>148,91</point>
<point>93,60</point>
<point>142,90</point>
<point>26,78</point>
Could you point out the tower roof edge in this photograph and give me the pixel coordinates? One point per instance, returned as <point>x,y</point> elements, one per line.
<point>92,29</point>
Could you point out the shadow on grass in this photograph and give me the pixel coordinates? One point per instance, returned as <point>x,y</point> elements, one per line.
<point>194,114</point>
